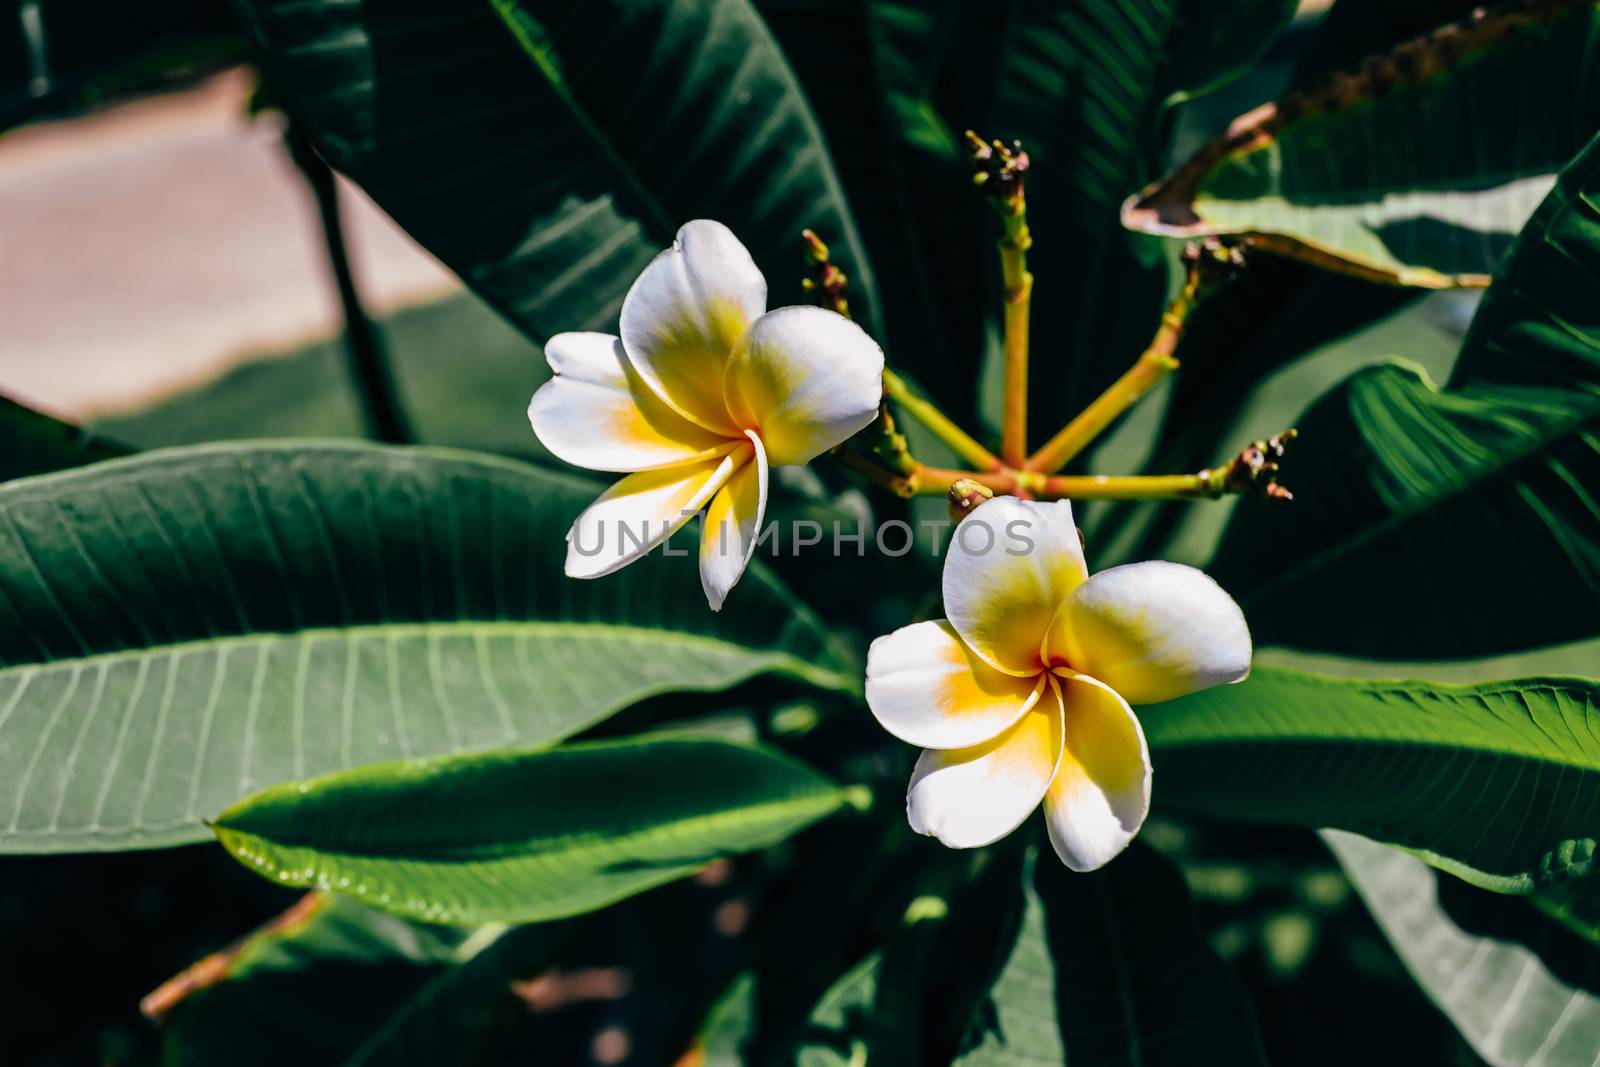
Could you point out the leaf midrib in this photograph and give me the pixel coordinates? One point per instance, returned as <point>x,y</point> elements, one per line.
<point>1263,740</point>
<point>509,11</point>
<point>512,628</point>
<point>511,14</point>
<point>579,849</point>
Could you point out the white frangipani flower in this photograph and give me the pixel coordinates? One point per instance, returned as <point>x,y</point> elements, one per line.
<point>1022,695</point>
<point>704,389</point>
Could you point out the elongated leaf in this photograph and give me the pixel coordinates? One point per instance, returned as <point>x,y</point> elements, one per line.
<point>1277,313</point>
<point>64,59</point>
<point>1110,968</point>
<point>1477,493</point>
<point>1418,170</point>
<point>1499,993</point>
<point>1497,782</point>
<point>906,1002</point>
<point>522,836</point>
<point>348,985</point>
<point>869,1016</point>
<point>1352,30</point>
<point>834,890</point>
<point>1574,905</point>
<point>869,69</point>
<point>35,443</point>
<point>1221,42</point>
<point>182,627</point>
<point>1082,83</point>
<point>546,150</point>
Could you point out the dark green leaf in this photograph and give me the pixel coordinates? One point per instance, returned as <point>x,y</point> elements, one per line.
<point>35,443</point>
<point>546,150</point>
<point>1497,782</point>
<point>1575,905</point>
<point>182,627</point>
<point>1082,84</point>
<point>1476,493</point>
<point>1418,170</point>
<point>1352,30</point>
<point>1111,968</point>
<point>525,836</point>
<point>1276,314</point>
<point>349,986</point>
<point>1503,997</point>
<point>836,889</point>
<point>871,69</point>
<point>1217,43</point>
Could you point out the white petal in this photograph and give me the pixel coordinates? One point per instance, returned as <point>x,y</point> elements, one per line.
<point>806,378</point>
<point>967,797</point>
<point>1153,631</point>
<point>929,689</point>
<point>684,314</point>
<point>1101,791</point>
<point>1010,565</point>
<point>598,413</point>
<point>732,525</point>
<point>643,510</point>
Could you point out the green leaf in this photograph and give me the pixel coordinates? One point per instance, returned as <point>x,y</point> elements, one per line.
<point>347,985</point>
<point>1502,996</point>
<point>1352,30</point>
<point>546,150</point>
<point>1575,905</point>
<point>1111,968</point>
<point>179,628</point>
<point>836,889</point>
<point>907,1002</point>
<point>1270,318</point>
<point>1497,782</point>
<point>1419,170</point>
<point>1477,493</point>
<point>64,60</point>
<point>869,69</point>
<point>1083,85</point>
<point>1217,43</point>
<point>868,1016</point>
<point>35,443</point>
<point>525,836</point>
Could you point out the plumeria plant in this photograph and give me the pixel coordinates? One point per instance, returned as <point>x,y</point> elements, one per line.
<point>937,486</point>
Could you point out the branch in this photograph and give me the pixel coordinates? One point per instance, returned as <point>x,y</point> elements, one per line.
<point>1208,266</point>
<point>999,175</point>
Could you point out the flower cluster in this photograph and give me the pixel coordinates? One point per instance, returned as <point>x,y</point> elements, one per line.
<point>1023,693</point>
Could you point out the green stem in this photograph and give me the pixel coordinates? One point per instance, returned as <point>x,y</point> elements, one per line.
<point>938,423</point>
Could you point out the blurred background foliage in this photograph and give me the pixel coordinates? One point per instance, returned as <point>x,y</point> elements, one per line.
<point>88,936</point>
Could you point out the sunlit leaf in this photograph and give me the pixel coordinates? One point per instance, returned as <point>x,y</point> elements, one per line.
<point>520,836</point>
<point>1497,782</point>
<point>1419,169</point>
<point>1503,997</point>
<point>180,628</point>
<point>1457,522</point>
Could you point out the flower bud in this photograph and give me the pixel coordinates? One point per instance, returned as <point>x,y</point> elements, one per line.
<point>965,496</point>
